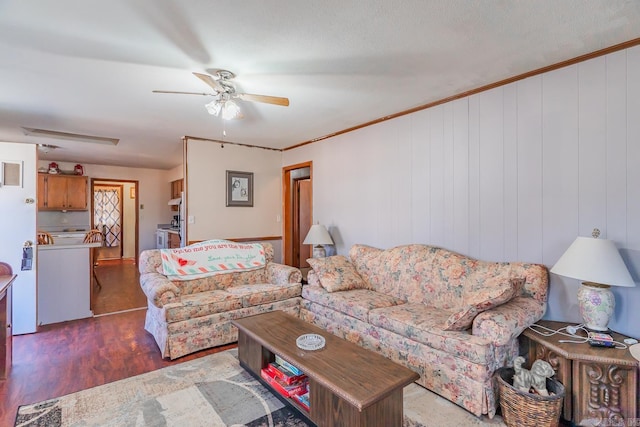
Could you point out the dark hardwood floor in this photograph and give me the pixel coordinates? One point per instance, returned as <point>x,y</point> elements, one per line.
<point>119,288</point>
<point>67,357</point>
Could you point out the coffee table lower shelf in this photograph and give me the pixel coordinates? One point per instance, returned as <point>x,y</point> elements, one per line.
<point>302,412</point>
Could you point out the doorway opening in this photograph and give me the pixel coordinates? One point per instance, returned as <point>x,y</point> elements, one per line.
<point>298,214</point>
<point>114,212</point>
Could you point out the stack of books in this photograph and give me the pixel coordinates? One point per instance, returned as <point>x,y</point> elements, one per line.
<point>287,380</point>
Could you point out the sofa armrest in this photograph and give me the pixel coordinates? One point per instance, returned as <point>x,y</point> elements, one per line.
<point>507,321</point>
<point>280,274</point>
<point>159,289</point>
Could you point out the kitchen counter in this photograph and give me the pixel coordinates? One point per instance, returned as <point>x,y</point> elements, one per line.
<point>64,282</point>
<point>55,247</point>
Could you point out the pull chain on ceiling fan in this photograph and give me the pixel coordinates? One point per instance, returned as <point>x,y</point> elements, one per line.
<point>225,93</point>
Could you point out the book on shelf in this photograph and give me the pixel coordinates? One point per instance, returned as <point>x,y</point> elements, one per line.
<point>284,373</point>
<point>280,361</point>
<point>287,390</point>
<point>302,400</point>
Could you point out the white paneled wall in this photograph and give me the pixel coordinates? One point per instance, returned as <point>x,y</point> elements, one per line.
<point>514,173</point>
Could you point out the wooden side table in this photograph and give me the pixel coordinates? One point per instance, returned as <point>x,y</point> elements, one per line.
<point>601,383</point>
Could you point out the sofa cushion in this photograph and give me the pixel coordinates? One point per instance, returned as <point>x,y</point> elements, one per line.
<point>355,303</point>
<point>424,325</point>
<point>201,304</point>
<point>415,273</point>
<point>257,294</point>
<point>336,273</point>
<point>493,292</point>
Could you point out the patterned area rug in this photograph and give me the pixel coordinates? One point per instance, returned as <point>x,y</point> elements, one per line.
<point>210,391</point>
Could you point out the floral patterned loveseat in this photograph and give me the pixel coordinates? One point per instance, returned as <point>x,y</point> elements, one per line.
<point>452,319</point>
<point>190,315</point>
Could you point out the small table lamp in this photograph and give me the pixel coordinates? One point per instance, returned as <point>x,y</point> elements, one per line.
<point>318,236</point>
<point>599,264</point>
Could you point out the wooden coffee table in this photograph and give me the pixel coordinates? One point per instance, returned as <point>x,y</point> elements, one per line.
<point>348,385</point>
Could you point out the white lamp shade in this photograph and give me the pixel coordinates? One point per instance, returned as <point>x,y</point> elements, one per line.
<point>318,235</point>
<point>594,260</point>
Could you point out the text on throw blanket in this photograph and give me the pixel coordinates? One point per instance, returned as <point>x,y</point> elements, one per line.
<point>208,247</point>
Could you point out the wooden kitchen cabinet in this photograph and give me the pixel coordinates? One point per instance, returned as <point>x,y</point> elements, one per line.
<point>176,190</point>
<point>601,384</point>
<point>62,192</point>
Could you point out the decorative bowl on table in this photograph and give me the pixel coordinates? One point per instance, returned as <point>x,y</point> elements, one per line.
<point>310,342</point>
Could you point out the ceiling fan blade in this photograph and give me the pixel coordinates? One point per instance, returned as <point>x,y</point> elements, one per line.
<point>211,82</point>
<point>183,93</point>
<point>263,98</point>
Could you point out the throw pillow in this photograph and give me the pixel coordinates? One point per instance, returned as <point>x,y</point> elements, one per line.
<point>336,273</point>
<point>496,292</point>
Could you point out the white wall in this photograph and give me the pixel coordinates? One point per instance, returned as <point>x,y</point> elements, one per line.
<point>154,192</point>
<point>207,165</point>
<point>514,173</point>
<point>175,173</point>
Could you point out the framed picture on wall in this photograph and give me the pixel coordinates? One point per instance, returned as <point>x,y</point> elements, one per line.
<point>239,188</point>
<point>10,173</point>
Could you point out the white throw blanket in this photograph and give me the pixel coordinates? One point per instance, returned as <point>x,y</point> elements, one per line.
<point>211,257</point>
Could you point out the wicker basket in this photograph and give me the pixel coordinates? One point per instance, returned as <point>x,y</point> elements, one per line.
<point>521,409</point>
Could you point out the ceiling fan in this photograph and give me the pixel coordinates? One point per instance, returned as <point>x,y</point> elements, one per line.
<point>224,92</point>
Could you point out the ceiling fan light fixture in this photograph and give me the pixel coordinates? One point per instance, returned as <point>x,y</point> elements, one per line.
<point>231,110</point>
<point>214,107</point>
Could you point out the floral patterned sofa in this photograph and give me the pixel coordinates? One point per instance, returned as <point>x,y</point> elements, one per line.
<point>452,319</point>
<point>191,315</point>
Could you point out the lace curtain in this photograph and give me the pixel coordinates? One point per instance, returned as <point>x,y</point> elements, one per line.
<point>107,215</point>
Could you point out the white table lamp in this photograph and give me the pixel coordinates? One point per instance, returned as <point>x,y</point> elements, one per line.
<point>318,236</point>
<point>598,263</point>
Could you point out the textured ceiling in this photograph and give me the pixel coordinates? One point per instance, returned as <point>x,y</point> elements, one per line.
<point>89,67</point>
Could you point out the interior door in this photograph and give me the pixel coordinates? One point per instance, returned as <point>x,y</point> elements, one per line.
<point>302,215</point>
<point>297,194</point>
